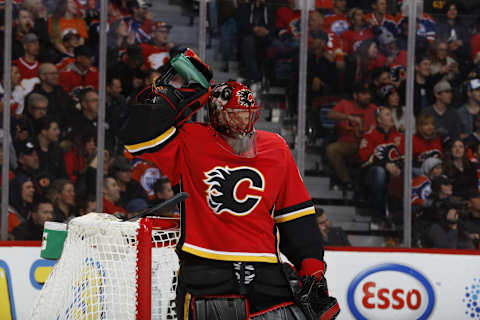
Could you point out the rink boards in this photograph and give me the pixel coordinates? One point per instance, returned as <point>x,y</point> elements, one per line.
<point>369,283</point>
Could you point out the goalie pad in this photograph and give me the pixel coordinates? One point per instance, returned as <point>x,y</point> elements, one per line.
<point>219,308</point>
<point>285,311</point>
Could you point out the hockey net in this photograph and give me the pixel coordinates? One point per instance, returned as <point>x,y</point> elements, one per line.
<point>111,269</point>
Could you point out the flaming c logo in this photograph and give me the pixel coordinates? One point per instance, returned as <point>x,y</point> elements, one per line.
<point>222,192</point>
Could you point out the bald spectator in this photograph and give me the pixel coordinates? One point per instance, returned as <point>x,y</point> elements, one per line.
<point>32,228</point>
<point>59,102</point>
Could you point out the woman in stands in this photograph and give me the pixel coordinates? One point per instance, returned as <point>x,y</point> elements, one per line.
<point>461,171</point>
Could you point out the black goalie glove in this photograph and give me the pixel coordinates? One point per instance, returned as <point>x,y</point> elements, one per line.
<point>311,294</point>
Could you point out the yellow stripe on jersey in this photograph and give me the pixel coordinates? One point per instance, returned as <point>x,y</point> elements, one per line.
<point>151,143</point>
<point>229,256</point>
<point>294,215</point>
<point>186,306</point>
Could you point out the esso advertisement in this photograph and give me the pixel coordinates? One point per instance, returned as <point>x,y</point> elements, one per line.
<point>390,291</point>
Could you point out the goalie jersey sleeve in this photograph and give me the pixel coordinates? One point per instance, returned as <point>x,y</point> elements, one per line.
<point>238,208</point>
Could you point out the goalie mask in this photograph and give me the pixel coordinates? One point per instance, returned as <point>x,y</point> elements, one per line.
<point>233,111</point>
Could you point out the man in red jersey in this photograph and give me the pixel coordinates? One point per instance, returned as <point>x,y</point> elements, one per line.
<point>156,52</point>
<point>381,151</point>
<point>336,21</point>
<point>245,194</point>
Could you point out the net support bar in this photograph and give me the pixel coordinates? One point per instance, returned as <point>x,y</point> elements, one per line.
<point>144,270</point>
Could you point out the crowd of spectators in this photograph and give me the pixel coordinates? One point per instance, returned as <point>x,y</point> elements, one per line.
<point>54,110</point>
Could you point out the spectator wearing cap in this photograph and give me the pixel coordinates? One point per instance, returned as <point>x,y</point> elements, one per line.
<point>442,63</point>
<point>62,194</point>
<point>389,54</point>
<point>81,73</point>
<point>381,151</point>
<point>22,26</point>
<point>32,228</point>
<point>156,51</point>
<point>66,18</point>
<point>379,18</point>
<point>70,40</point>
<point>27,158</point>
<point>471,108</point>
<point>135,206</point>
<point>121,170</point>
<point>111,196</point>
<point>426,143</point>
<point>359,31</point>
<point>256,24</point>
<point>141,22</point>
<point>447,122</point>
<point>28,63</point>
<point>471,223</point>
<point>49,152</point>
<point>353,118</point>
<point>459,169</point>
<point>422,184</point>
<point>60,104</point>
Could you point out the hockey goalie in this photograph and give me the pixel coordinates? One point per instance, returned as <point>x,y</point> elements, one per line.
<point>247,201</point>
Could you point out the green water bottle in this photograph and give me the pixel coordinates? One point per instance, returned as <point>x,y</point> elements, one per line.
<point>54,234</point>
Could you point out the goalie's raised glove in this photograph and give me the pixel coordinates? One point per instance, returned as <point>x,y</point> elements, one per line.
<point>310,290</point>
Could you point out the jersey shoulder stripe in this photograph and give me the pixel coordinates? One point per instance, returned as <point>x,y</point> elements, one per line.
<point>153,144</point>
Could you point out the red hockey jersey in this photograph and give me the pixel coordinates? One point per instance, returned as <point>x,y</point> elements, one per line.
<point>378,147</point>
<point>234,202</point>
<point>154,56</point>
<point>27,70</point>
<point>424,149</point>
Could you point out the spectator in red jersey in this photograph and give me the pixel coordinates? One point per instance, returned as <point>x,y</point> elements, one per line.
<point>111,196</point>
<point>28,63</point>
<point>426,143</point>
<point>66,19</point>
<point>287,21</point>
<point>62,195</point>
<point>461,171</point>
<point>81,153</point>
<point>156,51</point>
<point>354,119</point>
<point>336,21</point>
<point>32,228</point>
<point>380,19</point>
<point>389,54</point>
<point>145,173</point>
<point>381,151</point>
<point>71,40</point>
<point>23,26</point>
<point>359,30</point>
<point>442,63</point>
<point>81,73</point>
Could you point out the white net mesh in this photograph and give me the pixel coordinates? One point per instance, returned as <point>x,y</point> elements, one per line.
<point>95,278</point>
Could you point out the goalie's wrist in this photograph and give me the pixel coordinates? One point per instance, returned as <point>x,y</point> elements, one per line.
<point>313,267</point>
